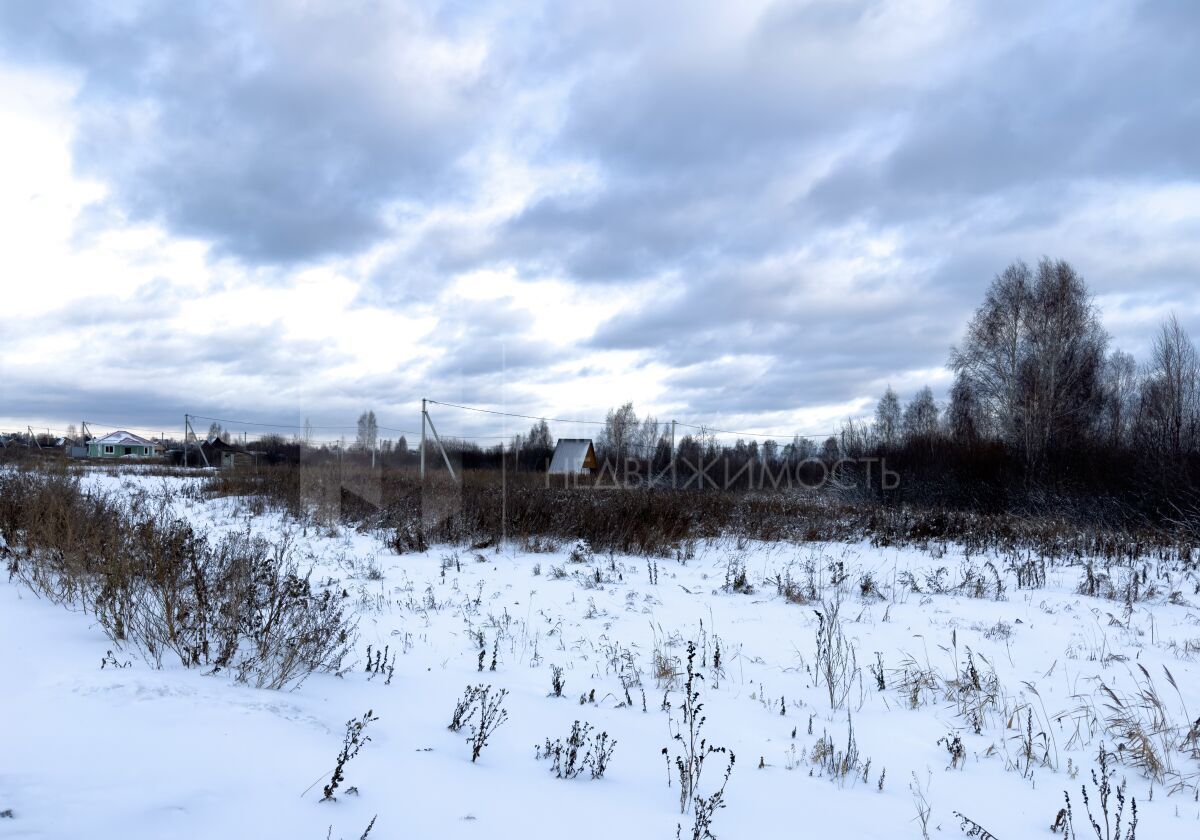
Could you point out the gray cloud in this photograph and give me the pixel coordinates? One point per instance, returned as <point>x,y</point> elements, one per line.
<point>733,167</point>
<point>487,339</point>
<point>1103,97</point>
<point>277,133</point>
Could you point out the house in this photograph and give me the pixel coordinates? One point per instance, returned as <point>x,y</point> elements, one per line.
<point>75,447</point>
<point>572,456</point>
<point>122,444</point>
<point>225,455</point>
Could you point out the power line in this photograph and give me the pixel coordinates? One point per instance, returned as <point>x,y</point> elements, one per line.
<point>266,425</point>
<point>712,430</point>
<point>23,431</point>
<point>296,426</point>
<point>102,426</point>
<point>605,422</point>
<point>150,432</point>
<point>478,437</point>
<point>338,428</point>
<point>522,416</point>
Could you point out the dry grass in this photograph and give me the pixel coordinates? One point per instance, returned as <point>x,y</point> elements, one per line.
<point>660,521</point>
<point>241,604</point>
<point>1145,731</point>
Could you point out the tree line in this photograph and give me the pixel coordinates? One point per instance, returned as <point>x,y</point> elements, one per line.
<point>1043,407</point>
<point>1043,410</point>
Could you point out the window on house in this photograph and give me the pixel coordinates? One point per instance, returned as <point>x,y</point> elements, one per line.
<point>108,450</point>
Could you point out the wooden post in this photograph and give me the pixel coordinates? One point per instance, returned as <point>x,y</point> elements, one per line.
<point>441,448</point>
<point>673,485</point>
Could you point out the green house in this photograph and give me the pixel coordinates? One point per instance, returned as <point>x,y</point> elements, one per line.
<point>121,445</point>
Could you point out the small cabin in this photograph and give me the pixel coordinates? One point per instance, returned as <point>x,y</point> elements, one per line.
<point>573,456</point>
<point>225,455</point>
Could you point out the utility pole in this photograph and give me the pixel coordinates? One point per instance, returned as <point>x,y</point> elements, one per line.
<point>187,429</point>
<point>441,448</point>
<point>422,439</point>
<point>672,454</point>
<point>503,495</point>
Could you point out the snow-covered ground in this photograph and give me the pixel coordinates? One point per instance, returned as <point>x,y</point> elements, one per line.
<point>134,752</point>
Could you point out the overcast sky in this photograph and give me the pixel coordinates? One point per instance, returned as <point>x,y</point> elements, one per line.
<point>748,214</point>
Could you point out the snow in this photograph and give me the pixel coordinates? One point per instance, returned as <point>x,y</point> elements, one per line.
<point>134,752</point>
<point>123,437</point>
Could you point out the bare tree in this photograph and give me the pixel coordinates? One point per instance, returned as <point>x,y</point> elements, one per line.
<point>963,421</point>
<point>921,417</point>
<point>770,451</point>
<point>990,357</point>
<point>830,450</point>
<point>621,429</point>
<point>646,439</point>
<point>798,450</point>
<point>535,448</point>
<point>1033,357</point>
<point>1170,396</point>
<point>368,431</point>
<point>1061,393</point>
<point>1119,383</point>
<point>539,436</point>
<point>887,418</point>
<point>855,438</point>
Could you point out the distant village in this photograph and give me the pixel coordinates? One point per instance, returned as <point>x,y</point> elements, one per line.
<point>121,445</point>
<point>221,450</point>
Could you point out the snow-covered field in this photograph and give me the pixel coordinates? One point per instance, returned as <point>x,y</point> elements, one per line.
<point>135,752</point>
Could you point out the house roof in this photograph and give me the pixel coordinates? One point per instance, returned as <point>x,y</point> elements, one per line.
<point>123,438</point>
<point>572,455</point>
